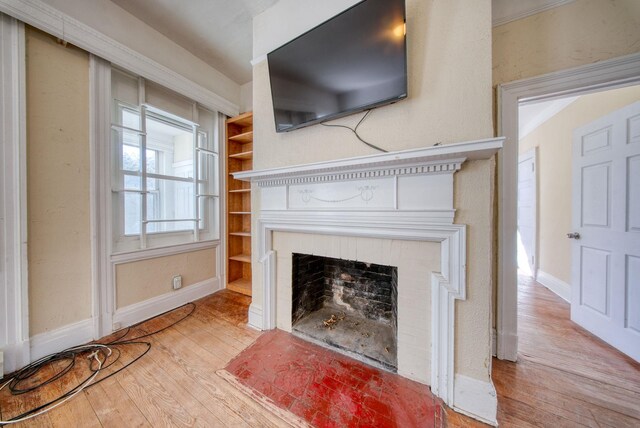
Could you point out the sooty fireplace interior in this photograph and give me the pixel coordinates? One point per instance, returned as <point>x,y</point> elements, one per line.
<point>347,305</point>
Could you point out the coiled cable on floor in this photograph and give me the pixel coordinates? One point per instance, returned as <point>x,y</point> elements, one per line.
<point>22,381</point>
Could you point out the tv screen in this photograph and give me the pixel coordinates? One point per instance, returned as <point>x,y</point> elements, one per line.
<point>353,62</point>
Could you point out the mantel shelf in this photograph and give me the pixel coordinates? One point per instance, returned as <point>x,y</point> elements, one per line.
<point>434,158</point>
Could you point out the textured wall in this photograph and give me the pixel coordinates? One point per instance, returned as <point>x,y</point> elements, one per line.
<point>581,32</point>
<point>144,279</point>
<point>59,235</point>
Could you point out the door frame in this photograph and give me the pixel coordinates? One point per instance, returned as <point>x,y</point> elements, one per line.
<point>603,75</point>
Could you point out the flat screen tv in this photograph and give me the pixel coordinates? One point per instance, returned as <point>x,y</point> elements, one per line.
<point>353,62</point>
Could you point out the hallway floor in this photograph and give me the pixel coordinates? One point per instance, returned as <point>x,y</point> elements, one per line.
<point>565,376</point>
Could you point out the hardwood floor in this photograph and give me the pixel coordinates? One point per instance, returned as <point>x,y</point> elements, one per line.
<point>565,377</point>
<point>174,384</point>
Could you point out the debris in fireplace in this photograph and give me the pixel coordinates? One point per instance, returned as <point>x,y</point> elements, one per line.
<point>331,322</point>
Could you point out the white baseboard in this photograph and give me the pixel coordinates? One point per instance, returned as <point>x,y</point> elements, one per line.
<point>475,398</point>
<point>16,356</point>
<point>137,312</point>
<point>507,346</point>
<point>559,287</point>
<point>61,338</point>
<point>255,317</point>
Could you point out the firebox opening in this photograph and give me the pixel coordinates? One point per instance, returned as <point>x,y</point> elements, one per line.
<point>348,305</point>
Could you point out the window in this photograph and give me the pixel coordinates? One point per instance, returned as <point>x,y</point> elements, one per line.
<point>165,182</point>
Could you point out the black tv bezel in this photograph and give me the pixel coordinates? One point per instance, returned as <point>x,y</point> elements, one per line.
<point>354,110</point>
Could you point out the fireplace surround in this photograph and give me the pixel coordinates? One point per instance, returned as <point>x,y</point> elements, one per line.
<point>404,196</point>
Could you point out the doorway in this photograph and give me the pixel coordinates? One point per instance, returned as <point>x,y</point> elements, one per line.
<point>612,74</point>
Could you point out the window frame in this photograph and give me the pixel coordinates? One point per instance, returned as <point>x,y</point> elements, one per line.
<point>207,220</point>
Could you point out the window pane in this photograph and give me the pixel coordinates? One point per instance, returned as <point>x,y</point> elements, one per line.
<point>132,203</point>
<point>169,200</point>
<point>173,145</point>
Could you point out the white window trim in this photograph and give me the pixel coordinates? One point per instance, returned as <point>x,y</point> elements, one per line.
<point>126,244</point>
<point>105,259</point>
<point>14,301</point>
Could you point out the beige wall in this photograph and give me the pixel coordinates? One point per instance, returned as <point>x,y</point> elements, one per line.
<point>144,279</point>
<point>58,204</point>
<point>449,62</point>
<point>581,32</point>
<point>553,140</point>
<point>59,236</point>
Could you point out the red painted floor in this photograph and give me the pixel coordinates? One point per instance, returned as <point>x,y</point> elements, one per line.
<point>328,389</point>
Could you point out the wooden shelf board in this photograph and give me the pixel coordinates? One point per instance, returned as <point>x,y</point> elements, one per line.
<point>244,258</point>
<point>245,137</point>
<point>243,155</point>
<point>240,233</point>
<point>240,191</point>
<point>241,285</point>
<point>240,212</point>
<point>245,119</point>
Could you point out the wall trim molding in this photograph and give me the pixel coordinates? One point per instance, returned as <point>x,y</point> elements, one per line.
<point>558,286</point>
<point>524,11</point>
<point>609,74</point>
<point>149,308</point>
<point>14,300</point>
<point>476,398</point>
<point>152,253</point>
<point>255,317</point>
<point>63,26</point>
<point>73,334</point>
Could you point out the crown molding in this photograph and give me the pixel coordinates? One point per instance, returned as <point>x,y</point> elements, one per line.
<point>507,11</point>
<point>63,26</point>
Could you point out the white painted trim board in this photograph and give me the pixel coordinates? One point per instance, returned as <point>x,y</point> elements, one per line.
<point>14,302</point>
<point>138,312</point>
<point>557,286</point>
<point>73,334</point>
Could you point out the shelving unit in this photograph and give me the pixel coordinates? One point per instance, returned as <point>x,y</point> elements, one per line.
<point>239,158</point>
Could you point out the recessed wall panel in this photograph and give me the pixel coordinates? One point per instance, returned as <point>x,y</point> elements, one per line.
<point>596,141</point>
<point>596,195</point>
<point>632,279</point>
<point>594,279</point>
<point>633,130</point>
<point>633,194</point>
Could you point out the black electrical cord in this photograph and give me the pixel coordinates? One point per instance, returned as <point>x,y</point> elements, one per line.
<point>71,354</point>
<point>355,131</point>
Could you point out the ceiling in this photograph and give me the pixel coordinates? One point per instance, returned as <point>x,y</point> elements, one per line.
<point>220,32</point>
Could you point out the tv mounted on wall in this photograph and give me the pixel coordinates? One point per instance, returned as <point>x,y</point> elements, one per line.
<point>353,62</point>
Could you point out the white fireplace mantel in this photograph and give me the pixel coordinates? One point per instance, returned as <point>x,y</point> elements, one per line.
<point>404,195</point>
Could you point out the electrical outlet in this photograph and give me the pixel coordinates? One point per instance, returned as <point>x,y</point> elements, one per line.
<point>177,282</point>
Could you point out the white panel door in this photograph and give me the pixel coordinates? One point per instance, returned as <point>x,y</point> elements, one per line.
<point>606,236</point>
<point>527,212</point>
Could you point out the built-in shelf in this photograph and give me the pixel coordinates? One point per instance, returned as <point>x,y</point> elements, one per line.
<point>245,137</point>
<point>244,258</point>
<point>242,155</point>
<point>240,158</point>
<point>241,285</point>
